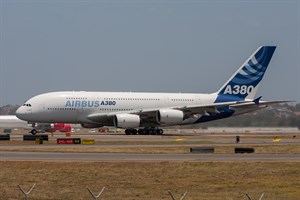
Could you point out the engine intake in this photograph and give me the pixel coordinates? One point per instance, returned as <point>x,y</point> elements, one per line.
<point>127,121</point>
<point>169,116</point>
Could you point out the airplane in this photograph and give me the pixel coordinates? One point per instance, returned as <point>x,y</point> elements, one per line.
<point>148,113</point>
<point>11,121</point>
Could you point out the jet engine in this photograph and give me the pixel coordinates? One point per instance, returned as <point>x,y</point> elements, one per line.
<point>169,116</point>
<point>127,121</point>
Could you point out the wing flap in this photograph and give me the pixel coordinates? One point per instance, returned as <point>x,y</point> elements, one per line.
<point>260,103</point>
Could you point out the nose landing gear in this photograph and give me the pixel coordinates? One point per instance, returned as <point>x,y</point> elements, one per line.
<point>33,130</point>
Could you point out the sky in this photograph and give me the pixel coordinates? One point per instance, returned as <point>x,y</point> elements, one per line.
<point>144,46</point>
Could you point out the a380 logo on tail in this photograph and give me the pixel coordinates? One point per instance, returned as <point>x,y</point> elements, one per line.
<point>238,89</point>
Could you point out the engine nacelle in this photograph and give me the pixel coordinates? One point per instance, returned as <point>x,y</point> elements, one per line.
<point>90,126</point>
<point>169,116</point>
<point>127,121</point>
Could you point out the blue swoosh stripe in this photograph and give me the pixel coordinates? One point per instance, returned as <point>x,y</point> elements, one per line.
<point>248,75</point>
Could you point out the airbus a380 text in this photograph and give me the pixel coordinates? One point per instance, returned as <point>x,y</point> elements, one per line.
<point>147,113</point>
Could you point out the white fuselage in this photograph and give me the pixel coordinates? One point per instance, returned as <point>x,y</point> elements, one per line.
<point>74,107</point>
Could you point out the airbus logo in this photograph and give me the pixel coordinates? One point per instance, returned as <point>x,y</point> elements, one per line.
<point>89,103</point>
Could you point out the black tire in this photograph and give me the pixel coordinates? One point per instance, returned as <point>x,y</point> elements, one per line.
<point>159,131</point>
<point>134,131</point>
<point>146,132</point>
<point>33,131</point>
<point>127,132</point>
<point>152,132</point>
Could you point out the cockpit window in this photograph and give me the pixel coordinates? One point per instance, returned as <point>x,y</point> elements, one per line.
<point>27,104</point>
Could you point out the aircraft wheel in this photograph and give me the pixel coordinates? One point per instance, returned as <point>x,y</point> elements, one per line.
<point>127,132</point>
<point>33,131</point>
<point>159,131</point>
<point>154,132</point>
<point>146,132</point>
<point>134,131</point>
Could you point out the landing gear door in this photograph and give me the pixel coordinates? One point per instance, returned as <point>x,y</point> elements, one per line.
<point>198,100</point>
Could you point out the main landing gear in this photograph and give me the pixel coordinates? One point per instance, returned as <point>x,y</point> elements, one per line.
<point>145,131</point>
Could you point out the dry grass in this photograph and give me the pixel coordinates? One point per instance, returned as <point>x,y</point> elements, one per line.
<point>134,181</point>
<point>264,148</point>
<point>149,180</point>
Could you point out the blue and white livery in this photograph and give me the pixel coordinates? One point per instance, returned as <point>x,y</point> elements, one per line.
<point>244,83</point>
<point>147,113</point>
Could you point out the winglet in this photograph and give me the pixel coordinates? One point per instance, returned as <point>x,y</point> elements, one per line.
<point>256,101</point>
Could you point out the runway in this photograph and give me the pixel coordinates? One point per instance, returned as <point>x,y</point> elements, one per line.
<point>129,157</point>
<point>140,148</point>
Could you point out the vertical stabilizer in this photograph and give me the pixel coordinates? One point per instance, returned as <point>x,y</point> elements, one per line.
<point>245,81</point>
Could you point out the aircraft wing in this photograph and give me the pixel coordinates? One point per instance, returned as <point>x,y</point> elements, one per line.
<point>188,110</point>
<point>202,109</point>
<point>148,116</point>
<point>263,103</point>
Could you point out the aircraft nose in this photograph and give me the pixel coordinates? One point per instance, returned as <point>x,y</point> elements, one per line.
<point>20,113</point>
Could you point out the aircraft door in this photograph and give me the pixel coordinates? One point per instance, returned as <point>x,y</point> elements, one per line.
<point>166,101</point>
<point>79,113</point>
<point>42,108</point>
<point>198,100</point>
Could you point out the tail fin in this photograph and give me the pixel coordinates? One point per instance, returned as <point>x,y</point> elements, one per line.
<point>245,81</point>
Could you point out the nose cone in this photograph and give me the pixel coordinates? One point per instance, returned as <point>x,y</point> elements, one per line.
<point>21,114</point>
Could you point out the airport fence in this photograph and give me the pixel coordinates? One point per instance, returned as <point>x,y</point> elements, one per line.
<point>98,196</point>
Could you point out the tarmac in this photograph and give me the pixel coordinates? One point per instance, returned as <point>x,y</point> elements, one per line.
<point>128,157</point>
<point>186,138</point>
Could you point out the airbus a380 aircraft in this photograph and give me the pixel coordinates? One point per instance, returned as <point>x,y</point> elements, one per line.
<point>146,113</point>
